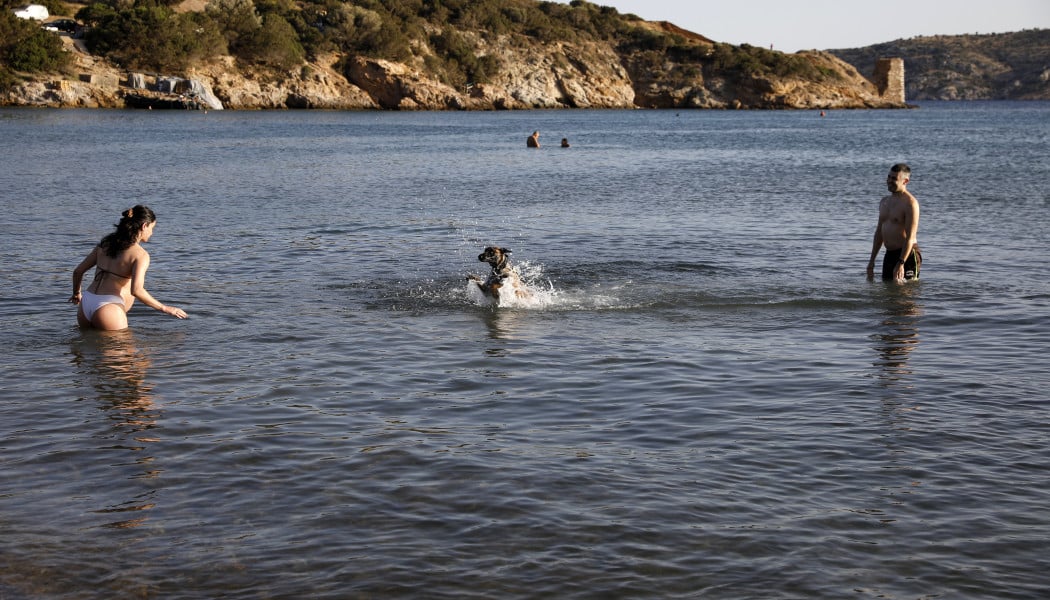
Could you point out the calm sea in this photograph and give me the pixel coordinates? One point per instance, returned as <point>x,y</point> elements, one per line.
<point>706,398</point>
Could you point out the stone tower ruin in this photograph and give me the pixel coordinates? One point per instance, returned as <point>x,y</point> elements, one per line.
<point>889,79</point>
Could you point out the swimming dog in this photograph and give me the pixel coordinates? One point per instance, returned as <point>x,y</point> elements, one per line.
<point>503,276</point>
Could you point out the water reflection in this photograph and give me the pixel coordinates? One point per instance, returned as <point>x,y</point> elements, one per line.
<point>895,339</point>
<point>116,368</point>
<point>114,365</point>
<point>898,336</point>
<point>503,324</point>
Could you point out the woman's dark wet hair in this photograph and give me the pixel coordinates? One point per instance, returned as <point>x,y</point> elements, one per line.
<point>131,222</point>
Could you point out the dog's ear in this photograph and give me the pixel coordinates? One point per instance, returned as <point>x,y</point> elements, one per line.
<point>505,250</point>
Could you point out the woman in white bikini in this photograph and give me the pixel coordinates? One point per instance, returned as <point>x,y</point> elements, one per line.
<point>120,274</point>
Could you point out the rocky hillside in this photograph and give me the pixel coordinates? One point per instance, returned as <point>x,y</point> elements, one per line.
<point>1007,66</point>
<point>520,54</point>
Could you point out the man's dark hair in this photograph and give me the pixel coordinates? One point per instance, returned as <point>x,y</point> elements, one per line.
<point>901,168</point>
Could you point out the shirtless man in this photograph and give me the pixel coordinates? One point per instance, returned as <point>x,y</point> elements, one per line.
<point>897,229</point>
<point>533,141</point>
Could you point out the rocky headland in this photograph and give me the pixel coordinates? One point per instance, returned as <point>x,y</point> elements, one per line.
<point>642,65</point>
<point>532,76</point>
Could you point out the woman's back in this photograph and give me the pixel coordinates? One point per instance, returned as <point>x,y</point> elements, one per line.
<point>113,275</point>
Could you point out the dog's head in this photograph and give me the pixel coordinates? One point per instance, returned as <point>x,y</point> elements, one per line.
<point>495,256</point>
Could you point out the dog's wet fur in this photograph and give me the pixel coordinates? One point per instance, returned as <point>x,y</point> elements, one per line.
<point>503,279</point>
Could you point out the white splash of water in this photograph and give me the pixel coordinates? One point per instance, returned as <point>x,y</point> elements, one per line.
<point>539,293</point>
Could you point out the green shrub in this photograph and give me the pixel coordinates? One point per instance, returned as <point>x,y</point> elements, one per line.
<point>753,61</point>
<point>236,19</point>
<point>457,63</point>
<point>151,36</point>
<point>25,46</point>
<point>7,79</point>
<point>274,44</point>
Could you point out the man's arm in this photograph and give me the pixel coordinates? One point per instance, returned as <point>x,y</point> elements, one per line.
<point>911,227</point>
<point>876,242</point>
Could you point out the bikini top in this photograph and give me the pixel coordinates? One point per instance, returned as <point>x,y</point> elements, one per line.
<point>101,273</point>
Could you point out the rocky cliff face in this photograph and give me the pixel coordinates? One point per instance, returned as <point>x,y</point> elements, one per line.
<point>581,74</point>
<point>563,75</point>
<point>317,85</point>
<point>1007,66</point>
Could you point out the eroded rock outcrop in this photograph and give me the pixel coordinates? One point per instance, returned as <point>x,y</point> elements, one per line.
<point>394,85</point>
<point>316,85</point>
<point>558,76</point>
<point>530,76</point>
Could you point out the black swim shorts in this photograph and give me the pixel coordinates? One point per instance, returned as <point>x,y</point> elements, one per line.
<point>911,266</point>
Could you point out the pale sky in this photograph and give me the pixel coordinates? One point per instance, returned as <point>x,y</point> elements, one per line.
<point>833,24</point>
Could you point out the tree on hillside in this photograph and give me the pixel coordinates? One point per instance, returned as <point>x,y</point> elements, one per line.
<point>26,47</point>
<point>274,44</point>
<point>237,19</point>
<point>151,36</point>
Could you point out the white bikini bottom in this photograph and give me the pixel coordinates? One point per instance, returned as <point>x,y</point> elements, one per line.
<point>92,302</point>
